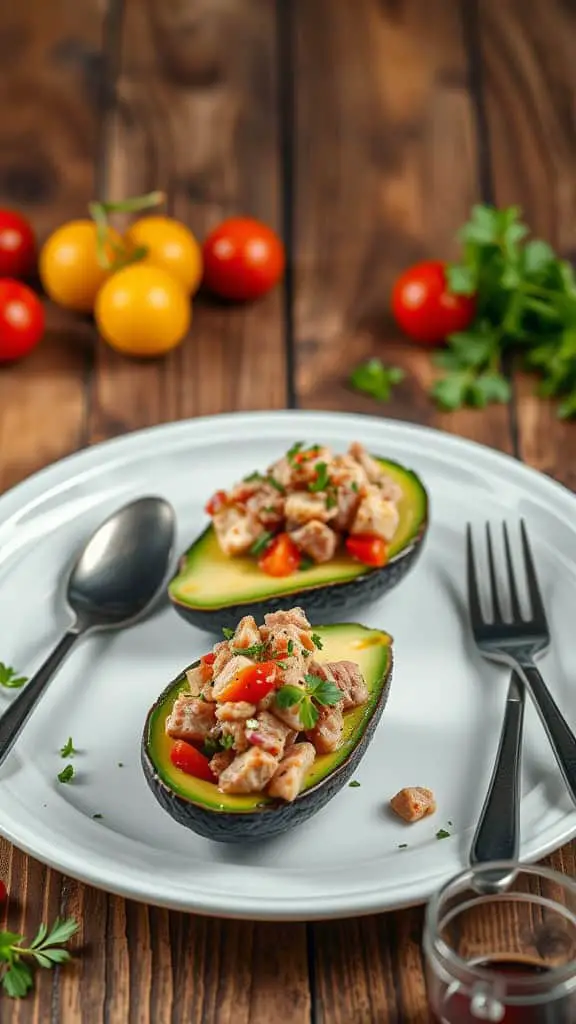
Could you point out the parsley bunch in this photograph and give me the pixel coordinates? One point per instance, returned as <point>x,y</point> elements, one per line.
<point>526,306</point>
<point>45,950</point>
<point>317,692</point>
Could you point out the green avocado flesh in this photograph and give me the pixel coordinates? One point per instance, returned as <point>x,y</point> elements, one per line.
<point>369,648</point>
<point>208,579</point>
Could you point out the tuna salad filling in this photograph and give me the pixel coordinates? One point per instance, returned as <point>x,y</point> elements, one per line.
<point>307,505</point>
<point>259,708</point>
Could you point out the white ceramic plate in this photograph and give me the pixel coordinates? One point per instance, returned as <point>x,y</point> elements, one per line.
<point>440,728</point>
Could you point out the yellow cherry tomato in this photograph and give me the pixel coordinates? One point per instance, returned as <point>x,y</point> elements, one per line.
<point>69,268</point>
<point>142,311</point>
<point>170,245</point>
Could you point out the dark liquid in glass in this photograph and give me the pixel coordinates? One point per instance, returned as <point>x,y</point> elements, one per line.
<point>457,1008</point>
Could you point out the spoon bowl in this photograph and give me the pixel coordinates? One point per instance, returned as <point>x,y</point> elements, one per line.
<point>123,566</point>
<point>114,581</point>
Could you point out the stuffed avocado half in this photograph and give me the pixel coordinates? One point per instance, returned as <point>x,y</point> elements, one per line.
<point>202,806</point>
<point>212,589</point>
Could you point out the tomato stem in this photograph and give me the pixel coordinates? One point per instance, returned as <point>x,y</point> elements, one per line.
<point>99,212</point>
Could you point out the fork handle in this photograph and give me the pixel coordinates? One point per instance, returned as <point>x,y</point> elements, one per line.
<point>561,737</point>
<point>497,832</point>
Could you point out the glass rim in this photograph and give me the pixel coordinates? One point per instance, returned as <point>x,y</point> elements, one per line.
<point>457,964</point>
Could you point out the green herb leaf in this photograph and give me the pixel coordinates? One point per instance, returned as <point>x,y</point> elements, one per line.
<point>67,773</point>
<point>442,833</point>
<point>97,816</point>
<point>308,714</point>
<point>17,980</point>
<point>227,741</point>
<point>461,279</point>
<point>354,784</point>
<point>287,696</point>
<point>317,641</point>
<point>323,691</point>
<point>375,379</point>
<point>294,450</point>
<point>290,647</point>
<point>227,632</point>
<point>402,846</point>
<point>10,678</point>
<point>261,543</point>
<point>321,479</point>
<point>451,392</point>
<point>354,487</point>
<point>306,563</point>
<point>68,749</point>
<point>254,477</point>
<point>276,484</point>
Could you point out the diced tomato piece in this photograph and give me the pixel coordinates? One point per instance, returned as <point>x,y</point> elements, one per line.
<point>206,662</point>
<point>215,503</point>
<point>185,757</point>
<point>252,683</point>
<point>368,548</point>
<point>281,557</point>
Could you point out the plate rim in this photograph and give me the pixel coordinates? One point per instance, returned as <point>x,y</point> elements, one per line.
<point>96,458</point>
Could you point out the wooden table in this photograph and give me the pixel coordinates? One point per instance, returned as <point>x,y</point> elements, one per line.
<point>364,130</point>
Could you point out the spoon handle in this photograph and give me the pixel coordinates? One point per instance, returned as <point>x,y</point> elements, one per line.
<point>13,720</point>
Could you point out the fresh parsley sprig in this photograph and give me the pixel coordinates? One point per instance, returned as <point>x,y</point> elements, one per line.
<point>10,678</point>
<point>526,308</point>
<point>375,379</point>
<point>317,692</point>
<point>45,950</point>
<point>68,750</point>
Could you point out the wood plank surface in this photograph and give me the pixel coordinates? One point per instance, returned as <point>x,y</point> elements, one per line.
<point>529,85</point>
<point>391,123</point>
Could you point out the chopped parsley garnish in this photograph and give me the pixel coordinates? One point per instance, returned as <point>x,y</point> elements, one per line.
<point>317,691</point>
<point>354,784</point>
<point>294,450</point>
<point>67,773</point>
<point>275,483</point>
<point>375,379</point>
<point>255,651</point>
<point>331,498</point>
<point>354,487</point>
<point>261,543</point>
<point>317,641</point>
<point>252,478</point>
<point>120,764</point>
<point>45,950</point>
<point>321,479</point>
<point>402,846</point>
<point>97,816</point>
<point>227,741</point>
<point>290,647</point>
<point>210,746</point>
<point>442,833</point>
<point>450,824</point>
<point>228,633</point>
<point>10,678</point>
<point>68,750</point>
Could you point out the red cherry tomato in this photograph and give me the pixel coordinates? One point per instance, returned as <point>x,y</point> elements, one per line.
<point>243,259</point>
<point>425,309</point>
<point>185,757</point>
<point>368,548</point>
<point>21,320</point>
<point>17,245</point>
<point>206,663</point>
<point>252,683</point>
<point>281,557</point>
<point>3,892</point>
<point>215,503</point>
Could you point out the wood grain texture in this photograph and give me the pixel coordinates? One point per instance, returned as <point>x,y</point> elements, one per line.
<point>384,120</point>
<point>529,84</point>
<point>197,117</point>
<point>50,102</point>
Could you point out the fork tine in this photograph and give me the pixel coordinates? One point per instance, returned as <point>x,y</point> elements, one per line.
<point>536,602</point>
<point>493,581</point>
<point>473,592</point>
<point>514,600</point>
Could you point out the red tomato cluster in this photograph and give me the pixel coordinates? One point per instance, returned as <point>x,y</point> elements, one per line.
<point>240,260</point>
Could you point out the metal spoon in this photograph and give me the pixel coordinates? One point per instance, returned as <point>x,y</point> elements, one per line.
<point>113,583</point>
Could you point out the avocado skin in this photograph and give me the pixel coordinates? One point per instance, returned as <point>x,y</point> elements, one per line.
<point>273,819</point>
<point>321,604</point>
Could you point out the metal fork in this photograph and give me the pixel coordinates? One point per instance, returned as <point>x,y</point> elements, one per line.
<point>516,641</point>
